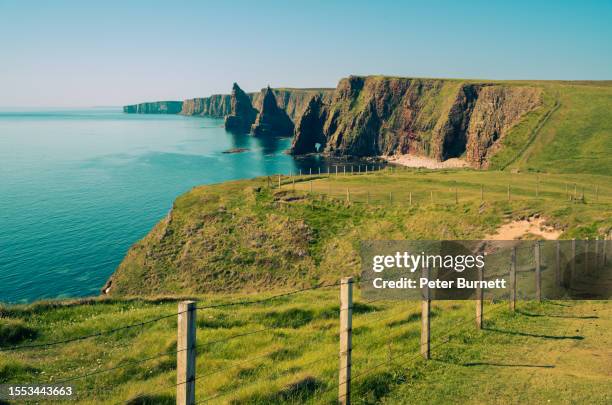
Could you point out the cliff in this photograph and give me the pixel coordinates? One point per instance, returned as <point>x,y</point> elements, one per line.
<point>157,107</point>
<point>272,120</point>
<point>217,105</point>
<point>242,114</point>
<point>371,116</point>
<point>293,101</point>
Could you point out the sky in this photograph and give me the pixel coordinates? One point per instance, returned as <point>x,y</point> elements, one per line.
<point>111,53</point>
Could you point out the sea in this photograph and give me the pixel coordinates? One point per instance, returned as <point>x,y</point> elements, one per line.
<point>78,187</point>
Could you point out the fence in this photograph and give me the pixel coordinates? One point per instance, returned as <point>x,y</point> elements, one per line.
<point>570,191</point>
<point>187,347</point>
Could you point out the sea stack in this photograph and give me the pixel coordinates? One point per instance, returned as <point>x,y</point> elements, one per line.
<point>242,113</point>
<point>272,120</point>
<point>310,128</point>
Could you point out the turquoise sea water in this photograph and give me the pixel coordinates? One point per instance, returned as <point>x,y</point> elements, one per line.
<point>79,187</point>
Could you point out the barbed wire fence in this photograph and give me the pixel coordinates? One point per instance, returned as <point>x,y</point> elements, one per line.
<point>454,192</point>
<point>187,348</point>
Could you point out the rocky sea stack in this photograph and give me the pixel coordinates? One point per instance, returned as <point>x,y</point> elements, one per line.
<point>242,113</point>
<point>272,120</point>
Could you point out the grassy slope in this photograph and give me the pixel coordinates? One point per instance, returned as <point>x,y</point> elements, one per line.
<point>575,138</point>
<point>245,235</point>
<point>552,351</point>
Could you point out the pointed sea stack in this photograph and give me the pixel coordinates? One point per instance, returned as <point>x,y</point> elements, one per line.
<point>242,113</point>
<point>272,120</point>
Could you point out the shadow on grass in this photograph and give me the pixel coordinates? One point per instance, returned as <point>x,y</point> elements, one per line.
<point>507,365</point>
<point>531,314</point>
<point>164,399</point>
<point>413,317</point>
<point>517,333</point>
<point>297,392</point>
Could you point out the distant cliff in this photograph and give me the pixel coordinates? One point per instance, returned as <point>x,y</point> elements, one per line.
<point>156,107</point>
<point>373,116</point>
<point>217,105</point>
<point>293,101</point>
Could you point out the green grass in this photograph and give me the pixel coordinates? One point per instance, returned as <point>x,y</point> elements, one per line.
<point>532,356</point>
<point>576,138</point>
<point>246,236</point>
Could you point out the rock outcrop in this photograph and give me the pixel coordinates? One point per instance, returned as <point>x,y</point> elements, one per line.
<point>373,116</point>
<point>310,126</point>
<point>271,120</point>
<point>217,106</point>
<point>242,114</point>
<point>293,101</point>
<point>156,107</point>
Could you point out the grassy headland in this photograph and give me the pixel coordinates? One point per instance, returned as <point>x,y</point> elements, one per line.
<point>252,236</point>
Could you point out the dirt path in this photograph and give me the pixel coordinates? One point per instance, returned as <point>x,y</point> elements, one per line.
<point>525,228</point>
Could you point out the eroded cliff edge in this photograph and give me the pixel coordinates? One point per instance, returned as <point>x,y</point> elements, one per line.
<point>441,119</point>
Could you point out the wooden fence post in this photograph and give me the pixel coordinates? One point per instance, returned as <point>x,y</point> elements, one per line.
<point>479,298</point>
<point>481,193</point>
<point>456,196</point>
<point>575,191</point>
<point>425,317</point>
<point>410,198</point>
<point>390,198</point>
<point>346,324</point>
<point>538,273</point>
<point>432,200</point>
<point>310,171</point>
<point>348,195</point>
<point>186,353</point>
<point>368,198</point>
<point>310,186</point>
<point>513,280</point>
<point>508,192</point>
<point>538,186</point>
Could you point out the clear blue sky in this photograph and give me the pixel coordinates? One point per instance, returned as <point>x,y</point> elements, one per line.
<point>81,53</point>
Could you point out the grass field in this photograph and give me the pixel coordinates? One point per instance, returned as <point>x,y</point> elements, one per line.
<point>247,236</point>
<point>286,351</point>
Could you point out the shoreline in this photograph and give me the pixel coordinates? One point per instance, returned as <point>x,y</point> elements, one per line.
<point>408,160</point>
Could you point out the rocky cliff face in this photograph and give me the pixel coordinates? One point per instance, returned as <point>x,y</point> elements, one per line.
<point>293,101</point>
<point>371,116</point>
<point>217,105</point>
<point>157,107</point>
<point>272,120</point>
<point>242,114</point>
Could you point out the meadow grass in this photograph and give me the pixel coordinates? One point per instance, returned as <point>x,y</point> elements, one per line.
<point>294,359</point>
